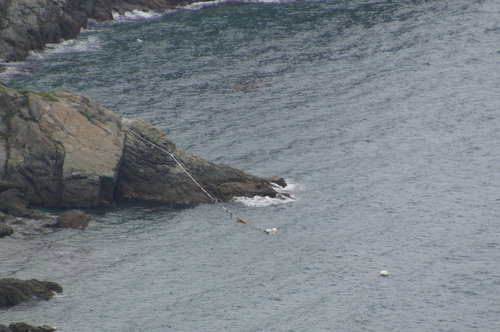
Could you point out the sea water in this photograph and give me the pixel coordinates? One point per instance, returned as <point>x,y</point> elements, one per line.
<point>382,116</point>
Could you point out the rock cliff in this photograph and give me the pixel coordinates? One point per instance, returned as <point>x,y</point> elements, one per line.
<point>31,24</point>
<point>62,149</point>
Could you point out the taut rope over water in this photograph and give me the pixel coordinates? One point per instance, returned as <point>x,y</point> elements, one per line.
<point>231,214</point>
<point>245,221</point>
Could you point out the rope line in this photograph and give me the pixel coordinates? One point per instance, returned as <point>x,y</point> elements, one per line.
<point>245,221</point>
<point>231,214</point>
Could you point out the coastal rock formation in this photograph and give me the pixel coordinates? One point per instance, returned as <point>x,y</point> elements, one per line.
<point>31,24</point>
<point>23,327</point>
<point>15,291</point>
<point>64,150</point>
<point>73,219</point>
<point>5,230</point>
<point>149,173</point>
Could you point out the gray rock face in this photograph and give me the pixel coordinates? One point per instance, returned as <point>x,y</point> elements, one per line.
<point>59,148</point>
<point>16,291</point>
<point>31,24</point>
<point>147,173</point>
<point>23,327</point>
<point>64,150</point>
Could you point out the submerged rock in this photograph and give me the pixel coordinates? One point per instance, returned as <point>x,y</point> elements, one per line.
<point>73,219</point>
<point>277,180</point>
<point>16,291</point>
<point>62,149</point>
<point>24,327</point>
<point>5,230</point>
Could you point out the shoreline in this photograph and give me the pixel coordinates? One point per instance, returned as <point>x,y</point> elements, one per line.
<point>26,25</point>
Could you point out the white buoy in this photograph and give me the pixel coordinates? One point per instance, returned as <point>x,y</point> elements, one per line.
<point>271,230</point>
<point>384,273</point>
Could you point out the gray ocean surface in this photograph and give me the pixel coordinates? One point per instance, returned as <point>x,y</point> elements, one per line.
<point>384,117</point>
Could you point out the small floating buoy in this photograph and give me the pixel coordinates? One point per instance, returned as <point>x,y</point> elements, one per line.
<point>271,230</point>
<point>243,220</point>
<point>384,273</point>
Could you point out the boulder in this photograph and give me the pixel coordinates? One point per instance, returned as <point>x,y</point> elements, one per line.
<point>64,150</point>
<point>16,291</point>
<point>277,180</point>
<point>23,327</point>
<point>5,230</point>
<point>73,219</point>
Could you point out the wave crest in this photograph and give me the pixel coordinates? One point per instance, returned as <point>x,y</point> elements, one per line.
<point>285,196</point>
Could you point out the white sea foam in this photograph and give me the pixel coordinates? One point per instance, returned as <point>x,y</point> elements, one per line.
<point>285,196</point>
<point>90,44</point>
<point>12,69</point>
<point>200,5</point>
<point>136,15</point>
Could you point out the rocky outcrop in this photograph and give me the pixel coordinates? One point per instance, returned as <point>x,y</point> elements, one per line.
<point>5,230</point>
<point>149,173</point>
<point>73,219</point>
<point>23,327</point>
<point>31,24</point>
<point>64,150</point>
<point>15,291</point>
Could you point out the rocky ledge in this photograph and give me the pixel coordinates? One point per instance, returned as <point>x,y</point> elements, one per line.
<point>64,150</point>
<point>31,24</point>
<point>15,291</point>
<point>23,327</point>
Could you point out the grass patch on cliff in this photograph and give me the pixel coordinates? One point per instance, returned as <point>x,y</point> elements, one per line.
<point>45,95</point>
<point>84,114</point>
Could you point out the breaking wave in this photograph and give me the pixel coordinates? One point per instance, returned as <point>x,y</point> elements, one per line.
<point>80,45</point>
<point>285,195</point>
<point>136,15</point>
<point>201,5</point>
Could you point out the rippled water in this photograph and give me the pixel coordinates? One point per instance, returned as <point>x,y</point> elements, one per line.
<point>383,116</point>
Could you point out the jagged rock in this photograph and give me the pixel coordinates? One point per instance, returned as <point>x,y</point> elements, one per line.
<point>5,230</point>
<point>147,173</point>
<point>23,327</point>
<point>4,328</point>
<point>29,25</point>
<point>278,180</point>
<point>73,219</point>
<point>65,150</point>
<point>16,291</point>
